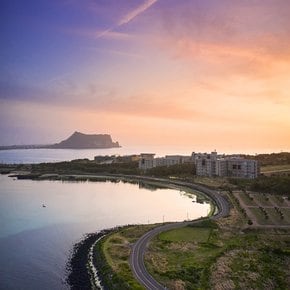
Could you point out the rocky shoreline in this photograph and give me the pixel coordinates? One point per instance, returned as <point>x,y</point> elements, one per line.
<point>87,268</point>
<point>79,276</point>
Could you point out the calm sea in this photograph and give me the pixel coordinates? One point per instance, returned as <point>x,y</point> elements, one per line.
<point>35,241</point>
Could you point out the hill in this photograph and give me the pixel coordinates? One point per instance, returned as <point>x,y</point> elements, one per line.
<point>76,141</point>
<point>86,141</point>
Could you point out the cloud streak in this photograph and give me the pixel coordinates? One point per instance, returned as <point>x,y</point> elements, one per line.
<point>128,17</point>
<point>134,13</point>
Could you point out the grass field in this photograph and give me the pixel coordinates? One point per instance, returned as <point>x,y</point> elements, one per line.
<point>273,168</point>
<point>276,217</point>
<point>246,199</point>
<point>215,258</point>
<point>116,249</point>
<point>216,182</point>
<point>286,212</point>
<point>279,201</point>
<point>212,255</point>
<point>187,234</point>
<point>268,202</point>
<point>262,199</point>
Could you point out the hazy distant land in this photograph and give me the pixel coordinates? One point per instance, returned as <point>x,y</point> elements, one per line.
<point>76,141</point>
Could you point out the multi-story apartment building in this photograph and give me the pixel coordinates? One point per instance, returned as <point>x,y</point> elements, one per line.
<point>146,161</point>
<point>207,164</point>
<point>216,165</point>
<point>237,167</point>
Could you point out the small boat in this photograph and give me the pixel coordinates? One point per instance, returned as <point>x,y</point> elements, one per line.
<point>43,205</point>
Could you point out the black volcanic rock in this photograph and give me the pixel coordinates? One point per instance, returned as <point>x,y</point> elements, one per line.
<point>86,141</point>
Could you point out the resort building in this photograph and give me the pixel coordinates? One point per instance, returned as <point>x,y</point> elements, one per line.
<point>218,165</point>
<point>237,167</point>
<point>176,159</point>
<point>206,164</point>
<point>146,161</point>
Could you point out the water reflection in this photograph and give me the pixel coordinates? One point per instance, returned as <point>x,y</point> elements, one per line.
<point>36,241</point>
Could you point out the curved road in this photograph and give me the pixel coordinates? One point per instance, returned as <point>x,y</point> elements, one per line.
<point>139,248</point>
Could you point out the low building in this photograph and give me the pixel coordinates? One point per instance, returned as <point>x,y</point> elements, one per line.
<point>177,159</point>
<point>160,161</point>
<point>146,161</point>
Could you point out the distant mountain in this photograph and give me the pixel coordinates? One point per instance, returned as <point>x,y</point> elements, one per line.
<point>76,141</point>
<point>85,141</point>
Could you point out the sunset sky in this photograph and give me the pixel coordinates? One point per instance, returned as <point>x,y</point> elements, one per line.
<point>198,74</point>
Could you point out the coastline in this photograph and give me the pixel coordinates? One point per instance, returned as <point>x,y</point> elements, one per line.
<point>88,268</point>
<point>84,248</point>
<point>79,272</point>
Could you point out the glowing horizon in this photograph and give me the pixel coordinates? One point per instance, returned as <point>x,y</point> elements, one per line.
<point>205,75</point>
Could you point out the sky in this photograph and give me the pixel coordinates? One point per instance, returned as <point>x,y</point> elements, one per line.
<point>197,74</point>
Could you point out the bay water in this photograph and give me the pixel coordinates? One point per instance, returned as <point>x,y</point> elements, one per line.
<point>40,221</point>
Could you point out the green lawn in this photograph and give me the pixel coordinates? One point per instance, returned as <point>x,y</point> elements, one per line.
<point>181,254</point>
<point>186,234</point>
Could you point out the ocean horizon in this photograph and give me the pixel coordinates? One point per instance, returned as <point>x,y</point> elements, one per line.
<point>27,156</point>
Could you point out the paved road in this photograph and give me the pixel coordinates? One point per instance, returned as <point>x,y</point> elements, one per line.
<point>139,248</point>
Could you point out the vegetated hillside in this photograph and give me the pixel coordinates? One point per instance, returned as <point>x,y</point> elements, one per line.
<point>84,166</point>
<point>267,184</point>
<point>85,141</point>
<point>282,158</point>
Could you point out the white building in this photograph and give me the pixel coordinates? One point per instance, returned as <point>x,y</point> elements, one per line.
<point>217,165</point>
<point>146,161</point>
<point>176,159</point>
<point>160,161</point>
<point>237,167</point>
<point>205,163</point>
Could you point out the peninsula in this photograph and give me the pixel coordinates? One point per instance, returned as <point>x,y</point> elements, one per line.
<point>77,140</point>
